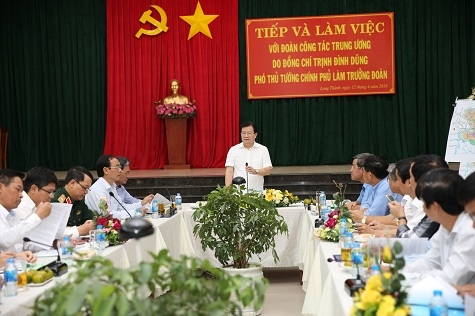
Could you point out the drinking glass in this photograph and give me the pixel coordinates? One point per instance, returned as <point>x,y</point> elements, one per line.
<point>20,264</point>
<point>92,239</point>
<point>161,209</point>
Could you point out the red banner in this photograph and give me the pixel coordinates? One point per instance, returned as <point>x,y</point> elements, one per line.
<point>320,56</point>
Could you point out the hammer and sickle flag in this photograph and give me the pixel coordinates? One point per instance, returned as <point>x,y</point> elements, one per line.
<point>159,25</point>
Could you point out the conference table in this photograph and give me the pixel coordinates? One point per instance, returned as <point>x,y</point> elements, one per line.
<point>323,282</point>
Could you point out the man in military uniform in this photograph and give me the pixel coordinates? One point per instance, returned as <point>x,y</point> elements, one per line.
<point>77,184</point>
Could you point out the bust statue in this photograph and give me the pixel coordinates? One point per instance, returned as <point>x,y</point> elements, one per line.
<point>175,97</point>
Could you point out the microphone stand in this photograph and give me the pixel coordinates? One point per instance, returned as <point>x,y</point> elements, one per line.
<point>247,179</point>
<point>112,194</point>
<point>59,268</point>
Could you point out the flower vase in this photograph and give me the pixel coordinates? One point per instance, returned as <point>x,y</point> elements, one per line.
<point>176,131</point>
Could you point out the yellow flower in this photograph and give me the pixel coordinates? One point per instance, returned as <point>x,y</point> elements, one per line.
<point>369,297</point>
<point>386,307</point>
<point>402,311</point>
<point>374,283</point>
<point>269,196</point>
<point>387,275</point>
<point>387,254</point>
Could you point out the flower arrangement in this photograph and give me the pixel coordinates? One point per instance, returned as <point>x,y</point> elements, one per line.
<point>280,198</point>
<point>111,226</point>
<point>331,229</point>
<point>383,293</point>
<point>175,110</point>
<point>339,197</point>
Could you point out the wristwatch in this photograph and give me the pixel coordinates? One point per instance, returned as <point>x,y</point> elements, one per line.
<point>363,221</point>
<point>399,219</point>
<point>257,171</point>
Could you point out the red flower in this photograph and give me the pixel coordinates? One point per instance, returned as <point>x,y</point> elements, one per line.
<point>333,213</point>
<point>116,226</point>
<point>102,221</point>
<point>331,222</point>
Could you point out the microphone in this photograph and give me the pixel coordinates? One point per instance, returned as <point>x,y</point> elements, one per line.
<point>112,194</point>
<point>247,179</point>
<point>59,268</point>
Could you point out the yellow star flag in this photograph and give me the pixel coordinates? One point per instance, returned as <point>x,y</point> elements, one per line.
<point>199,22</point>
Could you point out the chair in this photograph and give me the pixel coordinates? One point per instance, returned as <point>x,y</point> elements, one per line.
<point>3,148</point>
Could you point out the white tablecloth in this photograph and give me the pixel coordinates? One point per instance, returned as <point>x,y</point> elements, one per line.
<point>290,249</point>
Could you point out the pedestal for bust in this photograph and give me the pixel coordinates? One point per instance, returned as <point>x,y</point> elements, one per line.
<point>175,129</point>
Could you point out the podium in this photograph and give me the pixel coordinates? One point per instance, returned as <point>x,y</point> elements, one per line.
<point>176,131</point>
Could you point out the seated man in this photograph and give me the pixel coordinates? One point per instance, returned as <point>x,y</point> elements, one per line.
<point>426,226</point>
<point>451,253</point>
<point>109,170</point>
<point>130,202</point>
<point>39,185</point>
<point>466,197</point>
<point>357,175</point>
<point>375,172</point>
<point>77,183</point>
<point>407,181</point>
<point>38,188</point>
<point>12,230</point>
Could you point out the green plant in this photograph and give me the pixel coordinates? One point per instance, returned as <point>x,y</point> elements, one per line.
<point>190,286</point>
<point>238,224</point>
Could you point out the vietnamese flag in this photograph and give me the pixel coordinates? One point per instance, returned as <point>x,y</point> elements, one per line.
<point>139,71</point>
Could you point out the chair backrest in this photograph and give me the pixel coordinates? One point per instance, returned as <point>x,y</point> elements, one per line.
<point>3,148</point>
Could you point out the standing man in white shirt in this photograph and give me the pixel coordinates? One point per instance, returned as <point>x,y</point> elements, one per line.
<point>248,159</point>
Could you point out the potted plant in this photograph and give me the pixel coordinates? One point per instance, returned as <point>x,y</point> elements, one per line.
<point>190,286</point>
<point>236,225</point>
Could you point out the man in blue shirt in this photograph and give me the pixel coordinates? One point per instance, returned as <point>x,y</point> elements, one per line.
<point>375,172</point>
<point>357,175</point>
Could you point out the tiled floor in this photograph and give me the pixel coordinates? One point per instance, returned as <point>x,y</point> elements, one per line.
<point>285,296</point>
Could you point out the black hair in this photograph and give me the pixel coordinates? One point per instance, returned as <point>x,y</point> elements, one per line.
<point>7,176</point>
<point>441,185</point>
<point>77,173</point>
<point>377,166</point>
<point>40,177</point>
<point>103,161</point>
<point>423,163</point>
<point>248,123</point>
<point>467,190</point>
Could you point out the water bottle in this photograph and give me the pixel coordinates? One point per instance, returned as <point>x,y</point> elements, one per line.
<point>325,213</point>
<point>375,270</point>
<point>154,208</point>
<point>438,305</point>
<point>100,239</point>
<point>66,250</point>
<point>342,229</point>
<point>138,213</point>
<point>323,199</point>
<point>348,242</point>
<point>11,278</point>
<point>357,260</point>
<point>178,201</point>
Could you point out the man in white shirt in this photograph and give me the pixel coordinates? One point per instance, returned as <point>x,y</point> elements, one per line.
<point>451,255</point>
<point>248,159</point>
<point>12,230</point>
<point>129,201</point>
<point>466,197</point>
<point>109,170</point>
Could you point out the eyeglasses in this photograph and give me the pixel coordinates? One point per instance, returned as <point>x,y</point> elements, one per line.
<point>84,187</point>
<point>115,167</point>
<point>50,193</point>
<point>247,133</point>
